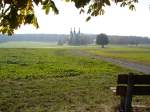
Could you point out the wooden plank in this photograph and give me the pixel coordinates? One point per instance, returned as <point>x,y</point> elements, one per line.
<point>137,79</point>
<point>136,90</point>
<point>128,100</point>
<point>122,104</point>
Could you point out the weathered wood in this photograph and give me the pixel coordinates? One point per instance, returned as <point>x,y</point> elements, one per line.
<point>128,100</point>
<point>136,90</point>
<point>129,85</point>
<point>137,79</point>
<point>122,104</point>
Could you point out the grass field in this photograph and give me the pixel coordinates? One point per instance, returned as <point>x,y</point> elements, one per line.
<point>52,80</point>
<point>55,80</point>
<point>22,63</point>
<point>139,54</point>
<point>27,44</point>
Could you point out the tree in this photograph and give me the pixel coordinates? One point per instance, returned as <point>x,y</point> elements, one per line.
<point>102,39</point>
<point>60,42</point>
<point>136,43</point>
<point>14,13</point>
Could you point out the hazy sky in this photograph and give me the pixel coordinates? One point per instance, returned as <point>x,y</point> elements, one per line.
<point>115,21</point>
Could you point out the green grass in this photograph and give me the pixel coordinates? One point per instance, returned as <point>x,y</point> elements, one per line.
<point>24,63</point>
<point>55,80</point>
<point>52,80</point>
<point>139,54</point>
<point>28,44</point>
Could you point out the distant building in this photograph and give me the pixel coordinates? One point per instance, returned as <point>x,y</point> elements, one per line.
<point>77,38</point>
<point>73,34</point>
<point>74,37</point>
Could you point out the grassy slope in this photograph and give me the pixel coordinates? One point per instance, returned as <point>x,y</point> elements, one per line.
<point>52,80</point>
<point>135,54</point>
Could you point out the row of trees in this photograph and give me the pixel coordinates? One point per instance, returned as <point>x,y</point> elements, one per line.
<point>101,39</point>
<point>129,40</point>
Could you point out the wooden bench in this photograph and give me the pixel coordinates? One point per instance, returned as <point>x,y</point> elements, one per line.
<point>130,85</point>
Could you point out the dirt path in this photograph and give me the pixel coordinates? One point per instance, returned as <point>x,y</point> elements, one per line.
<point>123,63</point>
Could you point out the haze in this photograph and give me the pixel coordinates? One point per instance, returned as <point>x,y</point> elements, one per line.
<point>116,21</point>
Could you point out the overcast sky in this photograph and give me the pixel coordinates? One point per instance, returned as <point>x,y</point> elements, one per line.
<point>115,21</point>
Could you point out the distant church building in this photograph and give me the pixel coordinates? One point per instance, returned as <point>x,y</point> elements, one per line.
<point>74,37</point>
<point>73,34</point>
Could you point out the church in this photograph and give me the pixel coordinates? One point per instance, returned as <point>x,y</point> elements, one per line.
<point>73,34</point>
<point>74,37</point>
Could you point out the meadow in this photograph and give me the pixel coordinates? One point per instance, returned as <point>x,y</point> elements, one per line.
<point>28,44</point>
<point>140,54</point>
<point>56,80</point>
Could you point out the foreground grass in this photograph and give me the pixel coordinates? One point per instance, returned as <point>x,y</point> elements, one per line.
<point>52,80</point>
<point>76,94</point>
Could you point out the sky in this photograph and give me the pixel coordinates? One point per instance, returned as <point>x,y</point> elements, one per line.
<point>115,21</point>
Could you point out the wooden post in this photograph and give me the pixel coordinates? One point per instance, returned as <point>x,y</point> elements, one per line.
<point>128,101</point>
<point>122,104</point>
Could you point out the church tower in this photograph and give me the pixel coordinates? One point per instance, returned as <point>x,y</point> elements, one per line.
<point>74,34</point>
<point>71,33</point>
<point>75,37</point>
<point>79,31</point>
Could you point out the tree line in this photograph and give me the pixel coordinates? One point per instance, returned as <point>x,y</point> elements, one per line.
<point>84,39</point>
<point>104,39</point>
<point>133,40</point>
